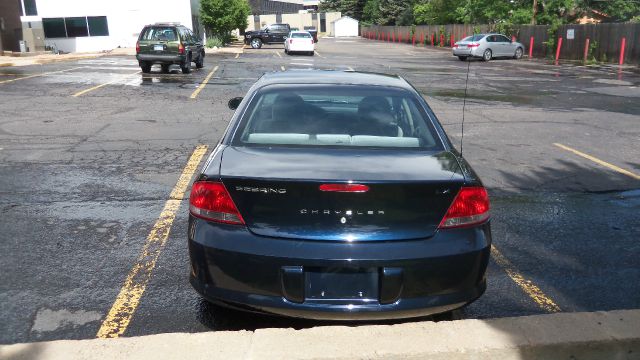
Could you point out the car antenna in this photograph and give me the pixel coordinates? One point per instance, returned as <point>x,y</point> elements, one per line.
<point>464,100</point>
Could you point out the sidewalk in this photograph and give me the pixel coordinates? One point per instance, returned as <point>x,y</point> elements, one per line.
<point>597,335</point>
<point>50,58</point>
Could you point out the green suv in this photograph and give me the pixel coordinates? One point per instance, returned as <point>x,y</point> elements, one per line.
<point>167,44</point>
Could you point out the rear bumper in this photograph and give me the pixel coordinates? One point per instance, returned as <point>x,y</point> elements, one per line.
<point>466,52</point>
<point>301,48</point>
<point>233,267</point>
<point>161,59</point>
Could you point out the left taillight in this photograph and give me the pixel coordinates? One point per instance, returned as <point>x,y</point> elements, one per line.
<point>211,201</point>
<point>137,47</point>
<point>470,207</point>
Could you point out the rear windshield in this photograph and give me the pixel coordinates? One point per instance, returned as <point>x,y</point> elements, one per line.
<point>301,35</point>
<point>158,33</point>
<point>473,38</point>
<point>336,115</point>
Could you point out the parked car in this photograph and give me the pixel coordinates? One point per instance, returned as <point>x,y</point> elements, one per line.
<point>167,44</point>
<point>338,196</point>
<point>313,31</point>
<point>271,34</point>
<point>487,47</point>
<point>299,42</point>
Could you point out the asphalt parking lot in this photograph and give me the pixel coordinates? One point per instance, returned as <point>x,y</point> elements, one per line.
<point>90,151</point>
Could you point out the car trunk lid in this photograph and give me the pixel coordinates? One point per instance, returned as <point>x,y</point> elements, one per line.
<point>278,192</point>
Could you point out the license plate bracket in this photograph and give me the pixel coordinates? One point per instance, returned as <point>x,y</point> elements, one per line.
<point>339,284</point>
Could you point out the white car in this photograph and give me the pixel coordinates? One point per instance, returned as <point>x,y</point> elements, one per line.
<point>487,47</point>
<point>299,41</point>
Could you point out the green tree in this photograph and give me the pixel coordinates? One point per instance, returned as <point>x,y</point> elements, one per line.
<point>617,10</point>
<point>351,8</point>
<point>391,10</point>
<point>371,12</point>
<point>434,12</point>
<point>220,17</point>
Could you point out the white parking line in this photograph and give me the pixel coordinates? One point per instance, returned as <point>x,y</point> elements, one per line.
<point>278,53</point>
<point>282,68</point>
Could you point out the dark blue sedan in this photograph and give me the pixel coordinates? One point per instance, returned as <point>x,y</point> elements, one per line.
<point>337,195</point>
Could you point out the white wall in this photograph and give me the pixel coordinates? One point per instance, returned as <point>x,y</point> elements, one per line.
<point>124,17</point>
<point>345,27</point>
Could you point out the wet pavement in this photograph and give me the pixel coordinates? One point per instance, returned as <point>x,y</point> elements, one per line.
<point>84,178</point>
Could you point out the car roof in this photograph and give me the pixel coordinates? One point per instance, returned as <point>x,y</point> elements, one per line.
<point>333,77</point>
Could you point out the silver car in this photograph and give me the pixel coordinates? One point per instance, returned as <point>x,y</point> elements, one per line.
<point>487,47</point>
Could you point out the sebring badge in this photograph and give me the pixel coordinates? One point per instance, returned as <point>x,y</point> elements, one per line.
<point>261,190</point>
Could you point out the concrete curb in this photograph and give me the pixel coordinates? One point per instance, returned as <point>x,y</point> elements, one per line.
<point>596,335</point>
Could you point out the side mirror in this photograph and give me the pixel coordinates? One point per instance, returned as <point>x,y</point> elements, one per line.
<point>234,103</point>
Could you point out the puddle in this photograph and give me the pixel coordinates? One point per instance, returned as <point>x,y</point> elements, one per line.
<point>515,99</point>
<point>50,320</point>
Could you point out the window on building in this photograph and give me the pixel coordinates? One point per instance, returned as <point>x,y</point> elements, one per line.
<point>54,28</point>
<point>76,26</point>
<point>30,8</point>
<point>98,26</point>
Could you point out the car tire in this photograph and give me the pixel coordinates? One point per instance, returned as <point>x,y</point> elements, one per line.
<point>165,68</point>
<point>312,53</point>
<point>200,61</point>
<point>145,67</point>
<point>462,58</point>
<point>256,43</point>
<point>518,54</point>
<point>186,66</point>
<point>487,55</point>
<point>287,52</point>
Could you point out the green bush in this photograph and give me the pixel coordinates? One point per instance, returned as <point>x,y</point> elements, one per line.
<point>214,41</point>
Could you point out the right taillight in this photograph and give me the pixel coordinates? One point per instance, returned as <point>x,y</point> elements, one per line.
<point>470,207</point>
<point>290,41</point>
<point>137,47</point>
<point>211,201</point>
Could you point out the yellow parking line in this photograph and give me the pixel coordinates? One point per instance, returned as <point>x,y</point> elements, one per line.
<point>82,92</point>
<point>282,68</point>
<point>317,53</point>
<point>206,80</point>
<point>42,74</point>
<point>599,162</point>
<point>526,285</point>
<point>118,318</point>
<point>237,55</point>
<point>278,53</point>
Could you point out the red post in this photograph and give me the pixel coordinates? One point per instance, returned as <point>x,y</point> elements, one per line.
<point>558,49</point>
<point>586,49</point>
<point>451,40</point>
<point>413,40</point>
<point>531,47</point>
<point>433,40</point>
<point>393,36</point>
<point>441,39</point>
<point>622,46</point>
<point>422,39</point>
<point>464,34</point>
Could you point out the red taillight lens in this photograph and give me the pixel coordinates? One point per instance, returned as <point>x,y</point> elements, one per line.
<point>470,207</point>
<point>473,45</point>
<point>455,46</point>
<point>211,201</point>
<point>359,188</point>
<point>290,41</point>
<point>137,47</point>
<point>181,48</point>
